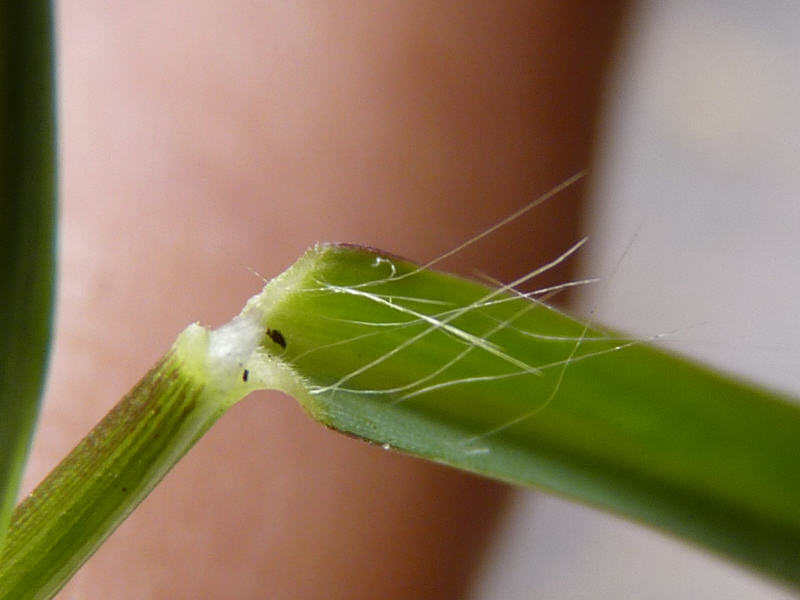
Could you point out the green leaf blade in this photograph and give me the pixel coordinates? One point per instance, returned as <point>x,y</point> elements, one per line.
<point>387,353</point>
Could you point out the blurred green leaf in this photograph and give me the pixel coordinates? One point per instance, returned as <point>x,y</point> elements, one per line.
<point>27,230</point>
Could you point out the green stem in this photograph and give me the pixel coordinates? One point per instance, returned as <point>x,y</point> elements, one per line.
<point>100,482</point>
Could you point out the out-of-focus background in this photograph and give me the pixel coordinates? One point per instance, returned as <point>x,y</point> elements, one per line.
<point>698,172</point>
<point>200,138</point>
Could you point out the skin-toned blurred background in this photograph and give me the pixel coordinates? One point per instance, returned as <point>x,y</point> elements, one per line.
<point>200,140</point>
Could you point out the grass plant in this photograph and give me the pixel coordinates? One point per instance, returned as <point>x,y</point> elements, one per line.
<point>480,378</point>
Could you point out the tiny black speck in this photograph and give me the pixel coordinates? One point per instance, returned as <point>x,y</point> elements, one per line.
<point>245,374</point>
<point>277,337</point>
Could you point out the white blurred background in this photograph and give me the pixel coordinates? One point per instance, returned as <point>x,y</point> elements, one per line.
<point>698,163</point>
